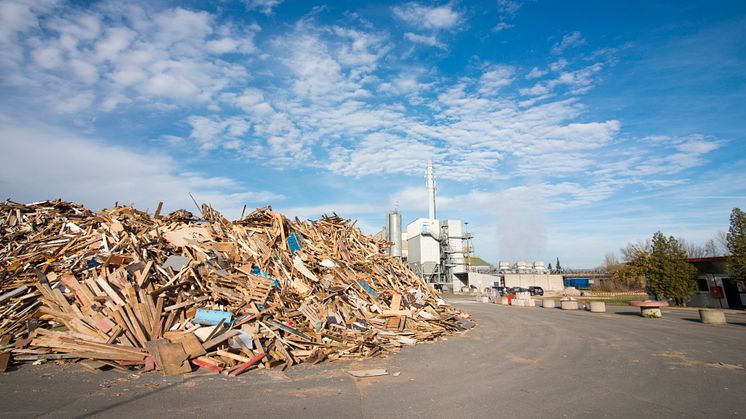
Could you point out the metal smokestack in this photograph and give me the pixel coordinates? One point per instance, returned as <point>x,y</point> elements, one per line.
<point>430,189</point>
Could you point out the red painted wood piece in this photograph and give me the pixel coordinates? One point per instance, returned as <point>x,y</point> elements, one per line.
<point>247,364</point>
<point>207,365</point>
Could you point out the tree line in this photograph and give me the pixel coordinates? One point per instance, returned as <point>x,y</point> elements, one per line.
<point>660,264</point>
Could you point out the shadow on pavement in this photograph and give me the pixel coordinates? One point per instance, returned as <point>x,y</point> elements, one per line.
<point>729,322</point>
<point>149,393</point>
<point>628,313</point>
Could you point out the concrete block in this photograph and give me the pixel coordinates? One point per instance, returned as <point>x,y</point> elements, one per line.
<point>549,303</point>
<point>598,307</point>
<point>710,316</point>
<point>651,312</point>
<point>569,305</point>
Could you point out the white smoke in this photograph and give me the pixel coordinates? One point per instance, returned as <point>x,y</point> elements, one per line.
<point>521,213</point>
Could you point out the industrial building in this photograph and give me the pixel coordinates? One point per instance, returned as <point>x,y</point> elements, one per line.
<point>520,274</point>
<point>436,250</point>
<point>439,251</point>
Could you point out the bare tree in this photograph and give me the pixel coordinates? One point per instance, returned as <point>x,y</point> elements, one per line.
<point>693,250</point>
<point>611,263</point>
<point>632,250</point>
<point>711,248</point>
<point>721,240</point>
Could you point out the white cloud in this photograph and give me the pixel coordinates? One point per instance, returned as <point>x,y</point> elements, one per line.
<point>535,73</point>
<point>558,65</point>
<point>576,82</point>
<point>382,153</point>
<point>84,71</point>
<point>86,170</point>
<point>335,98</point>
<point>264,6</point>
<point>494,78</point>
<point>571,40</point>
<point>508,7</point>
<point>501,26</point>
<point>212,132</point>
<point>671,155</point>
<point>123,54</point>
<point>425,17</point>
<point>431,40</point>
<point>75,102</point>
<point>507,10</point>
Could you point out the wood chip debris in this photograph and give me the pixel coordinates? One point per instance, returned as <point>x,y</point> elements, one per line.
<point>119,288</point>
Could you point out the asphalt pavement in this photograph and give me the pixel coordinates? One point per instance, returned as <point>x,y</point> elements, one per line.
<point>519,362</point>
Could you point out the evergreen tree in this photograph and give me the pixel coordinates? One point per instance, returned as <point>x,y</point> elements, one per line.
<point>550,268</point>
<point>668,272</point>
<point>558,267</point>
<point>737,246</point>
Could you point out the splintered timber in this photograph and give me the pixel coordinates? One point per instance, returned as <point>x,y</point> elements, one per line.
<point>120,288</point>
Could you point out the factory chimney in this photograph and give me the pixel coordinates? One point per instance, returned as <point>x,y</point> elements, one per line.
<point>430,189</point>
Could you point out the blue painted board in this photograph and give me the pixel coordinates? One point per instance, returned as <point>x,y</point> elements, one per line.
<point>212,317</point>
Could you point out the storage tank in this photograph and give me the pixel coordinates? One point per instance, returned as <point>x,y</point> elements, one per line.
<point>394,233</point>
<point>539,266</point>
<point>523,266</point>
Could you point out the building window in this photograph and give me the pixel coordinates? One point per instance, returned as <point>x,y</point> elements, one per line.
<point>702,284</point>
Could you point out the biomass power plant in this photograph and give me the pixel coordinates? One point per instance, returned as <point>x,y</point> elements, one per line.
<point>436,250</point>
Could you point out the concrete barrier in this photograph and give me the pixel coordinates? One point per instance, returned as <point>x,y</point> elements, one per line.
<point>649,308</point>
<point>651,312</point>
<point>709,316</point>
<point>504,301</point>
<point>569,305</point>
<point>549,304</point>
<point>598,307</point>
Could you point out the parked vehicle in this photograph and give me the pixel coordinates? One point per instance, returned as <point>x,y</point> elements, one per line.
<point>536,290</point>
<point>501,290</point>
<point>515,290</point>
<point>579,283</point>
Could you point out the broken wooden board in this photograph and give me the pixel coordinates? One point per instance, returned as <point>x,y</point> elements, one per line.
<point>169,357</point>
<point>110,283</point>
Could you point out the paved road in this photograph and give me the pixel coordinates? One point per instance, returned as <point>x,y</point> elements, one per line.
<point>519,362</point>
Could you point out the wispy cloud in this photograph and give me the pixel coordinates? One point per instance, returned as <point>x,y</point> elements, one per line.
<point>168,93</point>
<point>426,17</point>
<point>87,170</point>
<point>430,40</point>
<point>507,10</point>
<point>264,6</point>
<point>571,40</point>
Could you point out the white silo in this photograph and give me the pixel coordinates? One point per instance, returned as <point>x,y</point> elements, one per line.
<point>393,223</point>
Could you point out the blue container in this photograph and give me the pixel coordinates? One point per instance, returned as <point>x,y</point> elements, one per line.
<point>579,283</point>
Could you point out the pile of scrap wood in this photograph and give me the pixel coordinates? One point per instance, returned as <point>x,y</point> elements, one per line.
<point>120,288</point>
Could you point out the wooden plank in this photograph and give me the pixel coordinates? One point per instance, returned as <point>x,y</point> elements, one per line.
<point>220,339</point>
<point>233,356</point>
<point>396,302</point>
<point>4,355</point>
<point>191,344</point>
<point>243,367</point>
<point>109,291</point>
<point>201,362</point>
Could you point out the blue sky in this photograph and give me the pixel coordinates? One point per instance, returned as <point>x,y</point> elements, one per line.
<point>557,129</point>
